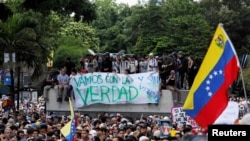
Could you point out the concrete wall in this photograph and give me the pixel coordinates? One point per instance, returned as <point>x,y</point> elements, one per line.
<point>164,106</point>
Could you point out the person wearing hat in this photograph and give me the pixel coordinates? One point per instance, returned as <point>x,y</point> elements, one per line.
<point>143,130</point>
<point>152,64</point>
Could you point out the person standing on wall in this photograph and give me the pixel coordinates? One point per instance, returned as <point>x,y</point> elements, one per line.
<point>172,86</point>
<point>69,65</point>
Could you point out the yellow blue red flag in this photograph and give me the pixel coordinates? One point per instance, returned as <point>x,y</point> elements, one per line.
<point>69,129</point>
<point>208,96</point>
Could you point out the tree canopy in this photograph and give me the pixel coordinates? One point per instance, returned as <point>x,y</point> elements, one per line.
<point>105,26</point>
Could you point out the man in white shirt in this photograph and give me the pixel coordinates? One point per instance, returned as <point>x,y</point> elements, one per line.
<point>152,64</point>
<point>133,65</point>
<point>63,83</point>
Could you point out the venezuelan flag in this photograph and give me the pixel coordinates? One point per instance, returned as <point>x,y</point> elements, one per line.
<point>69,129</point>
<point>208,96</point>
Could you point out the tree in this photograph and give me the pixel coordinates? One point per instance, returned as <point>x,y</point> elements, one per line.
<point>74,40</point>
<point>111,25</point>
<point>6,10</point>
<point>234,15</point>
<point>72,47</point>
<point>84,10</point>
<point>20,34</point>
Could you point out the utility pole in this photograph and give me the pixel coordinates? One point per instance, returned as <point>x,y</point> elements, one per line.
<point>10,59</point>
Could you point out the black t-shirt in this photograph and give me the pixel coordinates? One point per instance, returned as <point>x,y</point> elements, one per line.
<point>69,66</point>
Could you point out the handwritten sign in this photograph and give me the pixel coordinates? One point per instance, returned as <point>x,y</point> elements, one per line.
<point>111,88</point>
<point>180,117</point>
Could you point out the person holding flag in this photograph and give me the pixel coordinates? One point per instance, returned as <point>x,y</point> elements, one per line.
<point>69,130</point>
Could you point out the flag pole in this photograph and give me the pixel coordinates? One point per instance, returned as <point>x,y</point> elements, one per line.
<point>244,87</point>
<point>241,74</point>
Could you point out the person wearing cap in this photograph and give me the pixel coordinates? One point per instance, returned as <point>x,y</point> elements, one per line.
<point>143,130</point>
<point>152,64</point>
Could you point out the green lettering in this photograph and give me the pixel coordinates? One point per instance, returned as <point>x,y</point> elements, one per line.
<point>123,91</point>
<point>107,78</point>
<point>126,81</point>
<point>93,94</point>
<point>84,100</point>
<point>105,92</point>
<point>79,81</point>
<point>99,79</point>
<point>115,92</point>
<point>133,90</point>
<point>111,79</point>
<point>87,80</point>
<point>115,79</point>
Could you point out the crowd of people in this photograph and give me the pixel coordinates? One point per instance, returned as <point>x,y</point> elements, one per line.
<point>176,71</point>
<point>32,123</point>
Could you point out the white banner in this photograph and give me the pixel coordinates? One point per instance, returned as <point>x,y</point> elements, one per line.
<point>111,88</point>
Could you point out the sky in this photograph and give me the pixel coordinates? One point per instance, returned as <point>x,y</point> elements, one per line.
<point>132,2</point>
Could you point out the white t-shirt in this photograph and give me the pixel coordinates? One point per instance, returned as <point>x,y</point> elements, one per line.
<point>133,66</point>
<point>152,65</point>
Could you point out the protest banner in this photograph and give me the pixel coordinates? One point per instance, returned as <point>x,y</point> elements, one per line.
<point>112,88</point>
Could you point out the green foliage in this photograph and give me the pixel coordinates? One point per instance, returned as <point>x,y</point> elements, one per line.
<point>70,46</point>
<point>235,16</point>
<point>22,34</point>
<point>172,26</point>
<point>81,8</point>
<point>82,31</point>
<point>5,9</point>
